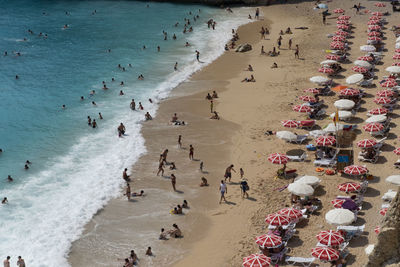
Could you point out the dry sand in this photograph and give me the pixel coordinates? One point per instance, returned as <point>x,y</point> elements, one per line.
<point>220,235</point>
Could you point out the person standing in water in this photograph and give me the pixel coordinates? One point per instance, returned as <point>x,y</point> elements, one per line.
<point>6,262</point>
<point>128,191</point>
<point>121,129</point>
<point>198,56</point>
<point>133,104</point>
<point>173,181</point>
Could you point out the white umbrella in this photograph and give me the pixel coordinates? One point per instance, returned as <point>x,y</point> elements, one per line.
<point>376,118</point>
<point>310,180</point>
<point>331,128</point>
<point>286,135</point>
<point>344,104</point>
<point>300,189</point>
<point>393,69</point>
<point>340,217</point>
<point>367,48</point>
<point>319,79</point>
<point>328,62</point>
<point>397,45</point>
<point>394,179</point>
<point>355,78</point>
<point>343,114</point>
<point>363,64</point>
<point>317,133</point>
<point>398,39</point>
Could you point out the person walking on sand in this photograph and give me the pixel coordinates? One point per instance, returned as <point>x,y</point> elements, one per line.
<point>223,189</point>
<point>241,171</point>
<point>191,152</point>
<point>128,191</point>
<point>244,187</point>
<point>279,42</point>
<point>201,166</point>
<point>173,181</point>
<point>290,44</point>
<point>257,16</point>
<point>228,172</point>
<point>180,141</point>
<point>212,106</point>
<point>161,168</point>
<point>296,53</point>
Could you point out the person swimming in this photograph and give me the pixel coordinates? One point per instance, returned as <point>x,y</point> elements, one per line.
<point>121,92</point>
<point>100,116</point>
<point>94,123</point>
<point>134,194</point>
<point>89,121</point>
<point>9,178</point>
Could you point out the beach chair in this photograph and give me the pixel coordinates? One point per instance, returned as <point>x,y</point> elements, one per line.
<point>351,231</point>
<point>300,139</point>
<point>306,262</point>
<point>278,257</point>
<point>379,143</point>
<point>290,226</point>
<point>327,162</point>
<point>366,83</point>
<point>288,235</point>
<point>298,158</point>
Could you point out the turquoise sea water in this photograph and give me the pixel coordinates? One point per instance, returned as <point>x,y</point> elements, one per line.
<point>76,169</point>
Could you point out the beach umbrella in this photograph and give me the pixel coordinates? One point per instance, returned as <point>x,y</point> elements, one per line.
<point>374,34</point>
<point>256,260</point>
<point>365,143</point>
<point>343,22</point>
<point>312,90</point>
<point>378,111</point>
<point>302,108</point>
<point>389,83</point>
<point>367,48</point>
<point>286,135</point>
<point>344,17</point>
<point>375,38</point>
<point>308,98</point>
<point>373,22</point>
<point>362,63</point>
<point>278,158</point>
<point>337,203</point>
<point>339,38</point>
<point>376,13</point>
<point>341,33</point>
<point>332,57</point>
<point>342,27</point>
<point>291,213</point>
<point>355,78</point>
<point>393,69</point>
<point>393,179</point>
<point>349,187</point>
<point>382,100</point>
<point>325,140</point>
<point>319,79</point>
<point>342,114</point>
<point>331,127</point>
<point>365,58</point>
<point>373,127</point>
<point>383,211</point>
<point>385,93</point>
<point>380,4</point>
<point>323,6</point>
<point>268,241</point>
<point>301,189</point>
<point>290,123</point>
<point>397,50</point>
<point>325,253</point>
<point>396,56</point>
<point>326,70</point>
<point>307,179</point>
<point>359,69</point>
<point>397,151</point>
<point>374,18</point>
<point>349,92</point>
<point>337,45</point>
<point>373,28</point>
<point>376,118</point>
<point>277,219</point>
<point>330,238</point>
<point>344,104</point>
<point>377,230</point>
<point>340,217</point>
<point>355,170</point>
<point>338,11</point>
<point>328,62</point>
<point>396,64</point>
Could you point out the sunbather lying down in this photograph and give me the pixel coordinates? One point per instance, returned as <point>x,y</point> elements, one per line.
<point>251,79</point>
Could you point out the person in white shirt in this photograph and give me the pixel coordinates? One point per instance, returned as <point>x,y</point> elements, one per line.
<point>223,189</point>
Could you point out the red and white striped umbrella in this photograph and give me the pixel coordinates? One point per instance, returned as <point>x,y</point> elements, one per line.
<point>330,238</point>
<point>312,90</point>
<point>373,22</point>
<point>337,203</point>
<point>359,69</point>
<point>268,241</point>
<point>337,45</point>
<point>397,151</point>
<point>339,38</point>
<point>397,50</point>
<point>342,27</point>
<point>373,127</point>
<point>355,170</point>
<point>332,57</point>
<point>256,260</point>
<point>341,33</point>
<point>349,187</point>
<point>382,100</point>
<point>385,93</point>
<point>344,17</point>
<point>343,22</point>
<point>290,123</point>
<point>376,13</point>
<point>374,34</point>
<point>396,56</point>
<point>389,83</point>
<point>325,253</point>
<point>278,158</point>
<point>365,143</point>
<point>396,64</point>
<point>324,140</point>
<point>375,18</point>
<point>302,108</point>
<point>383,211</point>
<point>349,92</point>
<point>277,219</point>
<point>326,70</point>
<point>307,98</point>
<point>380,4</point>
<point>374,27</point>
<point>338,10</point>
<point>365,58</point>
<point>291,213</point>
<point>378,111</point>
<point>377,230</point>
<point>374,38</point>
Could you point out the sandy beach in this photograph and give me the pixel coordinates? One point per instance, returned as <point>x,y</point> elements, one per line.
<point>221,235</point>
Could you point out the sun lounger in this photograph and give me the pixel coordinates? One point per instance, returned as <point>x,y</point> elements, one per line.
<point>342,246</point>
<point>351,231</point>
<point>298,158</point>
<point>300,139</point>
<point>389,195</point>
<point>290,226</point>
<point>325,162</point>
<point>385,206</point>
<point>288,235</point>
<point>397,164</point>
<point>278,257</point>
<point>299,260</point>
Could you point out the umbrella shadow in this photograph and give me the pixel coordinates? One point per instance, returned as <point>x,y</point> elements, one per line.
<point>356,120</point>
<point>295,152</point>
<point>391,136</point>
<point>387,148</point>
<point>361,241</point>
<point>372,192</point>
<point>319,191</point>
<point>366,205</point>
<point>381,160</point>
<point>360,221</point>
<point>295,242</point>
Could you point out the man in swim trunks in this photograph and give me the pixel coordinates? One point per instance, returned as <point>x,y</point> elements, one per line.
<point>191,152</point>
<point>6,262</point>
<point>228,172</point>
